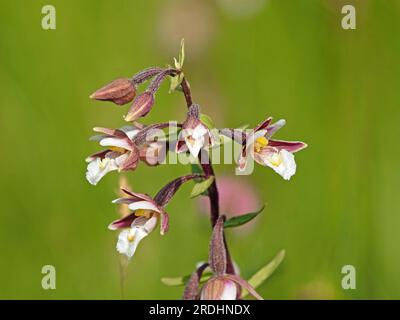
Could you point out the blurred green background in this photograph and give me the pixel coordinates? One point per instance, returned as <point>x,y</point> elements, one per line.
<point>338,90</point>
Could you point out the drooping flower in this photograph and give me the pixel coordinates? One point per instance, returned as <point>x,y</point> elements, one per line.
<point>145,215</point>
<point>121,153</point>
<point>222,285</point>
<point>194,135</point>
<point>140,223</point>
<point>276,154</point>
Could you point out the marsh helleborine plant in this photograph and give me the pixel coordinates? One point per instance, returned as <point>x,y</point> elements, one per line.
<point>125,148</point>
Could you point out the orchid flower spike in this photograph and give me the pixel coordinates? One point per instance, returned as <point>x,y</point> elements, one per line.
<point>276,154</point>
<point>195,135</point>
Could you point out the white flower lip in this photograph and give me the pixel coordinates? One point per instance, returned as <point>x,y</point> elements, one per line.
<point>286,165</point>
<point>98,168</point>
<point>129,239</point>
<point>145,205</point>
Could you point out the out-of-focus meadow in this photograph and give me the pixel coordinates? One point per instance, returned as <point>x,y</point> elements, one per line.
<point>338,90</point>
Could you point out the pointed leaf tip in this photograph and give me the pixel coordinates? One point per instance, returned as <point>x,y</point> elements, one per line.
<point>242,219</point>
<point>265,272</point>
<point>201,187</point>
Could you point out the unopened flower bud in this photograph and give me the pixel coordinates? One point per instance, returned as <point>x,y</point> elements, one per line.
<point>120,91</point>
<point>141,106</point>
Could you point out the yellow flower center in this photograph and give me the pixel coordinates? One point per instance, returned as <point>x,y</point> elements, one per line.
<point>191,140</point>
<point>143,213</point>
<point>103,163</point>
<point>260,143</point>
<point>117,149</point>
<point>131,238</point>
<point>275,160</point>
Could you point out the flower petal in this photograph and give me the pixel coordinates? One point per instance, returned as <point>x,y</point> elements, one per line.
<point>263,125</point>
<point>146,205</point>
<point>181,146</point>
<point>122,223</point>
<point>282,162</point>
<point>139,196</point>
<point>291,146</point>
<point>275,127</point>
<point>98,168</point>
<point>164,223</point>
<point>111,132</point>
<point>116,142</point>
<point>245,285</point>
<point>195,145</point>
<point>130,162</point>
<point>125,245</point>
<point>219,288</point>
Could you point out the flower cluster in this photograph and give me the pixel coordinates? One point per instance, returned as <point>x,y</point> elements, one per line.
<point>126,147</point>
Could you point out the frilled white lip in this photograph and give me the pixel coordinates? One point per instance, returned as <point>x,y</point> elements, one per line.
<point>129,239</point>
<point>282,162</point>
<point>97,168</point>
<point>195,139</point>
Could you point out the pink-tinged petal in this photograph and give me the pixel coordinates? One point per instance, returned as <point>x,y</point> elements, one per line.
<point>153,154</point>
<point>101,155</point>
<point>145,205</point>
<point>138,196</point>
<point>126,200</point>
<point>261,157</point>
<point>181,146</point>
<point>122,223</point>
<point>263,125</point>
<point>111,132</point>
<point>123,143</point>
<point>164,225</point>
<point>291,146</point>
<point>219,288</point>
<point>150,224</point>
<point>275,127</point>
<point>131,162</point>
<point>242,162</point>
<point>217,256</point>
<point>245,285</point>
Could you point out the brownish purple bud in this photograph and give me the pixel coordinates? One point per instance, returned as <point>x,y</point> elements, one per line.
<point>141,106</point>
<point>120,91</point>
